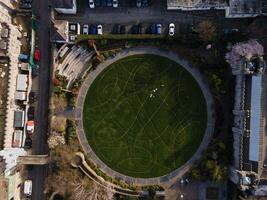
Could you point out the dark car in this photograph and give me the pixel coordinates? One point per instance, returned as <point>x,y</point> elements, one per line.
<point>26,1</point>
<point>35,71</point>
<point>122,30</point>
<point>134,29</point>
<point>93,29</point>
<point>117,29</point>
<point>145,3</point>
<point>31,113</point>
<point>97,3</point>
<point>153,29</point>
<point>139,30</point>
<point>32,97</point>
<point>104,3</point>
<point>25,6</point>
<point>109,3</point>
<point>28,143</point>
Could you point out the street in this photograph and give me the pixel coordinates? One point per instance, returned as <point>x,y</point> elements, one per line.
<point>39,173</point>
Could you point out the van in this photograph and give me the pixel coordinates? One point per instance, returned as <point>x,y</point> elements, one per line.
<point>28,187</point>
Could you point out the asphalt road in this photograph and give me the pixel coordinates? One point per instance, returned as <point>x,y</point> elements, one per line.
<point>39,173</point>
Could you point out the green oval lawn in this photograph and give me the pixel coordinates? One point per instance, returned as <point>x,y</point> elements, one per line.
<point>144,116</point>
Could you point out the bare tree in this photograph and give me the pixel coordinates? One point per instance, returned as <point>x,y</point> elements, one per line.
<point>207,30</point>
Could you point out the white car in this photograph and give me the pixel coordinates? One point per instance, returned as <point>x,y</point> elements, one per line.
<point>91,4</point>
<point>171,29</point>
<point>99,30</point>
<point>85,29</point>
<point>115,3</point>
<point>28,187</point>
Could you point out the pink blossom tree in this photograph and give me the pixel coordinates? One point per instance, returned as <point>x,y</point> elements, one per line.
<point>244,49</point>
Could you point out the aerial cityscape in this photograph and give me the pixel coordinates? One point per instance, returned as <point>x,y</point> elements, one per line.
<point>133,100</point>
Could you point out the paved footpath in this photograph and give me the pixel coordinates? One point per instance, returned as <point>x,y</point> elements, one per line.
<point>176,174</point>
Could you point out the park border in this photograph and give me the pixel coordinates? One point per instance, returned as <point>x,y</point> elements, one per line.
<point>179,172</point>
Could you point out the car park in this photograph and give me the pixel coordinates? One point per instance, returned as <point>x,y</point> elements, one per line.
<point>171,29</point>
<point>85,29</point>
<point>91,3</point>
<point>109,3</point>
<point>138,3</point>
<point>28,143</point>
<point>99,29</point>
<point>115,3</point>
<point>93,29</point>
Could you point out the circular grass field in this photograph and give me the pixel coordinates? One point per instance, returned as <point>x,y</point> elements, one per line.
<point>144,116</point>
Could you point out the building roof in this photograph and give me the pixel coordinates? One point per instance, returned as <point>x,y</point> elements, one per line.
<point>255,118</point>
<point>63,4</point>
<point>22,80</point>
<point>18,118</point>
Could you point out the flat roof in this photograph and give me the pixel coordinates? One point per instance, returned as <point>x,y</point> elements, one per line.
<point>255,118</point>
<point>18,118</point>
<point>22,80</point>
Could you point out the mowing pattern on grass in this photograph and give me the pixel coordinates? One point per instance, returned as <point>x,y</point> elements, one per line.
<point>144,116</point>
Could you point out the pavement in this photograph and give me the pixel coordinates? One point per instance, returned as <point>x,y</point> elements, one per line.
<point>39,173</point>
<point>167,180</point>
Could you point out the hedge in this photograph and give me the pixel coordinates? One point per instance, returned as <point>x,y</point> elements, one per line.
<point>81,38</point>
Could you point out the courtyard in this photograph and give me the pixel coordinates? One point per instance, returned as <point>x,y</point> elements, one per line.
<point>141,116</point>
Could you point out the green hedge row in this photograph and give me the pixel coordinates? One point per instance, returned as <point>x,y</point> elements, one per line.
<point>81,38</point>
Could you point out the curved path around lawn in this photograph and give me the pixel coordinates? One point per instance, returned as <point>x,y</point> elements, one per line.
<point>176,174</point>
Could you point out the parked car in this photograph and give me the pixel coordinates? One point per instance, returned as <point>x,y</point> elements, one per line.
<point>85,29</point>
<point>158,28</point>
<point>97,3</point>
<point>37,54</point>
<point>28,188</point>
<point>145,3</point>
<point>122,30</point>
<point>138,3</point>
<point>23,57</point>
<point>99,30</point>
<point>30,127</point>
<point>115,3</point>
<point>93,29</point>
<point>116,29</point>
<point>31,97</point>
<point>25,6</point>
<point>26,1</point>
<point>153,29</point>
<point>30,113</point>
<point>134,29</point>
<point>139,30</point>
<point>35,71</point>
<point>28,143</point>
<point>104,3</point>
<point>109,3</point>
<point>91,4</point>
<point>171,29</point>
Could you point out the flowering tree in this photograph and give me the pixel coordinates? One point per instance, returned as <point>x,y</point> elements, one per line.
<point>244,49</point>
